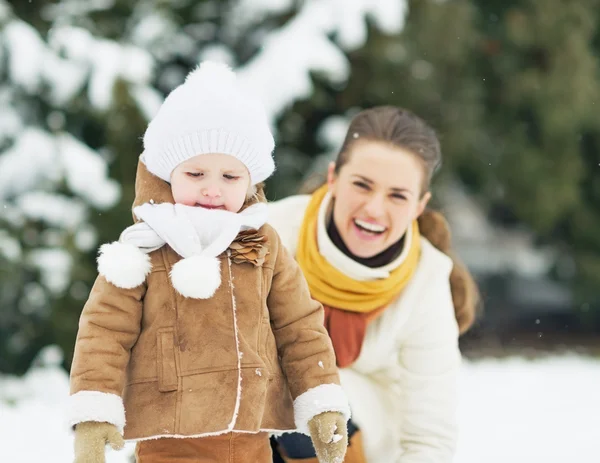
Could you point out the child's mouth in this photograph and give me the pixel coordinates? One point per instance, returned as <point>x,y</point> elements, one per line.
<point>209,206</point>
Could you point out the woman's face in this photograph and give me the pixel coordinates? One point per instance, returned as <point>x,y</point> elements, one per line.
<point>377,195</point>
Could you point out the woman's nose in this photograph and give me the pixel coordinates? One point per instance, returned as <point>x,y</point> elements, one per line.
<point>375,206</point>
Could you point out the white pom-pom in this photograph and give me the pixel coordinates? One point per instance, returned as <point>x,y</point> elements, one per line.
<point>123,264</point>
<point>197,277</point>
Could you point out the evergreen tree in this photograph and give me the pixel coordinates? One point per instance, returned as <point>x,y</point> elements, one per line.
<point>101,73</point>
<point>539,62</point>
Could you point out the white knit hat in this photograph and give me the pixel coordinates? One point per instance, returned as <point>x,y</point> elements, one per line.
<point>211,112</point>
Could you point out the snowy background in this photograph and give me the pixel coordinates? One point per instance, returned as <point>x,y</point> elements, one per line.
<point>55,183</point>
<point>511,410</point>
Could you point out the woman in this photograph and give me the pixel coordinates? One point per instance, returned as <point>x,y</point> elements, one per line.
<point>395,302</point>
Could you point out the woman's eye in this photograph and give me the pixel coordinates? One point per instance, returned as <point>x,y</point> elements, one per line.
<point>193,174</point>
<point>399,196</point>
<point>230,177</point>
<point>362,185</point>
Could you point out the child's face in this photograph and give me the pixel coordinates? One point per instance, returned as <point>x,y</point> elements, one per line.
<point>213,181</point>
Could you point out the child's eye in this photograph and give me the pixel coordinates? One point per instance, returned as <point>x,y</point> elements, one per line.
<point>399,196</point>
<point>362,185</point>
<point>230,177</point>
<point>193,174</point>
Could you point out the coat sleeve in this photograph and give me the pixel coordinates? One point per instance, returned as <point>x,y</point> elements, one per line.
<point>306,352</point>
<point>109,326</point>
<point>430,360</point>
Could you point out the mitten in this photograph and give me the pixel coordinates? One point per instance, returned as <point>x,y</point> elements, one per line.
<point>91,438</point>
<point>329,435</point>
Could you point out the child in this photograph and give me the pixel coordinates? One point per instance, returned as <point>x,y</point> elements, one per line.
<point>200,327</point>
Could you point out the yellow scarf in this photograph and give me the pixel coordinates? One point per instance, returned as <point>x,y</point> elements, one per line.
<point>333,288</point>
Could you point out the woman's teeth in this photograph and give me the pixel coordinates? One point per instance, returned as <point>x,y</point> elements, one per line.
<point>369,227</point>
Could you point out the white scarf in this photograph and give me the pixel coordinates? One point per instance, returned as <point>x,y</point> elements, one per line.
<point>198,235</point>
<point>190,231</point>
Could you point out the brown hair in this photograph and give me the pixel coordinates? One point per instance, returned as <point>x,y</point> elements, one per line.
<point>257,196</point>
<point>400,128</point>
<point>465,293</point>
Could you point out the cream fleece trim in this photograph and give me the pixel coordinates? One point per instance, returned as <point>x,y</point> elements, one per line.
<point>271,432</point>
<point>323,398</point>
<point>96,406</point>
<point>238,397</point>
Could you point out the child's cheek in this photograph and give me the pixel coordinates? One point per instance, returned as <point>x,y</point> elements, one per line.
<point>187,198</point>
<point>181,196</point>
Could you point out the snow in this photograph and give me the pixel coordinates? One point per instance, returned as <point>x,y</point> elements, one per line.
<point>352,30</point>
<point>75,8</point>
<point>35,165</point>
<point>524,411</point>
<point>511,409</point>
<point>31,62</point>
<point>292,51</point>
<point>54,265</point>
<point>303,45</point>
<point>259,8</point>
<point>28,163</point>
<point>38,159</point>
<point>86,238</point>
<point>219,53</point>
<point>86,173</point>
<point>10,122</point>
<point>148,100</point>
<point>10,248</point>
<point>332,132</point>
<point>74,42</point>
<point>54,209</point>
<point>4,10</point>
<point>105,60</point>
<point>151,28</point>
<point>26,51</point>
<point>66,78</point>
<point>108,61</point>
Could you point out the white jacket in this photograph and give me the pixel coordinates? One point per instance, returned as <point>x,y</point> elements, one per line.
<point>403,387</point>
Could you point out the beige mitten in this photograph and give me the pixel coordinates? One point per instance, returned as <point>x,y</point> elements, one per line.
<point>329,435</point>
<point>91,438</point>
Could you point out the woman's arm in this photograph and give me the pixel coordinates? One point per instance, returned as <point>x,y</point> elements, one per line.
<point>430,359</point>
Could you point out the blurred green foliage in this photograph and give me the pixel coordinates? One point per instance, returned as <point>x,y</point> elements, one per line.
<point>511,87</point>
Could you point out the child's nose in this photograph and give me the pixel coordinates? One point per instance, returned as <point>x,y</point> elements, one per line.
<point>211,192</point>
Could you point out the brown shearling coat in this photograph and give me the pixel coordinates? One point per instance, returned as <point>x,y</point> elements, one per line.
<point>194,367</point>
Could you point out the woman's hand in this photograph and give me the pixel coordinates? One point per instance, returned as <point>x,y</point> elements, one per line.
<point>91,438</point>
<point>329,435</point>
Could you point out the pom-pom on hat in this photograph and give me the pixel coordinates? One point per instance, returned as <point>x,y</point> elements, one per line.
<point>211,112</point>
